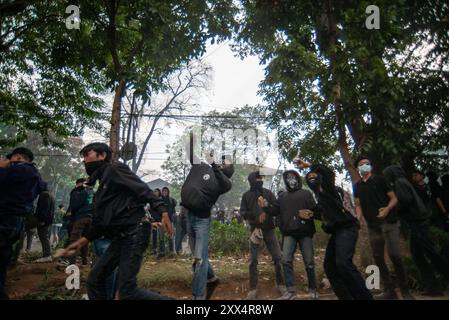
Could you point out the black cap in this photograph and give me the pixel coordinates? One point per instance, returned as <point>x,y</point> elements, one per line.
<point>23,151</point>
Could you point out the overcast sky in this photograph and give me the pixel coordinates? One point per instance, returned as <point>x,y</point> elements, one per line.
<point>234,83</point>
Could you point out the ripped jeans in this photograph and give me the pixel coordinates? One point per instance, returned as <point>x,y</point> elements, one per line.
<point>198,230</point>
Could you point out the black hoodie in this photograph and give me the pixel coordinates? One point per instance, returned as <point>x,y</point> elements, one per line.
<point>81,203</point>
<point>287,207</point>
<point>20,184</point>
<point>119,200</point>
<point>330,208</point>
<point>411,207</point>
<point>249,208</point>
<point>203,185</point>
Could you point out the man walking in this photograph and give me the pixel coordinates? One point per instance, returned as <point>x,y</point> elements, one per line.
<point>261,228</point>
<point>120,216</point>
<point>20,184</point>
<point>376,201</point>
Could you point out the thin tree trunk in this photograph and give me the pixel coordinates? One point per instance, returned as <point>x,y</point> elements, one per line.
<point>342,143</point>
<point>115,119</point>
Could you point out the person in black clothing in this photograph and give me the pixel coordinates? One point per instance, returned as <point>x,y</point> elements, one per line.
<point>294,209</point>
<point>119,215</point>
<point>376,201</point>
<point>345,279</point>
<point>43,219</point>
<point>421,187</point>
<point>20,184</point>
<point>439,210</point>
<point>261,226</point>
<point>170,204</point>
<point>445,198</point>
<point>81,210</point>
<point>156,239</point>
<point>205,182</point>
<point>415,215</point>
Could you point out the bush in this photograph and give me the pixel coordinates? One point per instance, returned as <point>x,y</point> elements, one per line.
<point>440,239</point>
<point>228,239</point>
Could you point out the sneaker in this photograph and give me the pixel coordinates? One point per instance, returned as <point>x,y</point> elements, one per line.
<point>252,295</point>
<point>288,296</point>
<point>44,259</point>
<point>387,295</point>
<point>313,294</point>
<point>211,286</point>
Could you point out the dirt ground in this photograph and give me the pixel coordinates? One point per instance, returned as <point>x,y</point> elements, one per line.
<point>170,276</point>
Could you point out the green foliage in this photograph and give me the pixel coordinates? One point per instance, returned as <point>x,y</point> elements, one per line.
<point>233,238</point>
<point>51,77</point>
<point>440,239</point>
<point>393,100</point>
<point>227,239</point>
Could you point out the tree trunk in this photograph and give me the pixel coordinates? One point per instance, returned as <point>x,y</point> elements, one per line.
<point>115,119</point>
<point>346,155</point>
<point>342,143</point>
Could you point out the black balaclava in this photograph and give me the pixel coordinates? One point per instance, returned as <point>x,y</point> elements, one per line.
<point>256,186</point>
<point>315,182</point>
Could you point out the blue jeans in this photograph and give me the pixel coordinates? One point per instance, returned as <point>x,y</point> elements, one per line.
<point>100,246</point>
<point>125,252</point>
<point>11,228</point>
<point>345,279</point>
<point>198,230</point>
<point>288,252</point>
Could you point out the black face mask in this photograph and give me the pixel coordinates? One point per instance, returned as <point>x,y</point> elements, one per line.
<point>91,167</point>
<point>259,184</point>
<point>314,183</point>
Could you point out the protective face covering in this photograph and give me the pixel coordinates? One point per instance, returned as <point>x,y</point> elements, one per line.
<point>314,183</point>
<point>259,184</point>
<point>91,167</point>
<point>292,182</point>
<point>365,169</point>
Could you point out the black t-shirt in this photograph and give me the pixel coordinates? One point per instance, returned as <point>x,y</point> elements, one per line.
<point>423,192</point>
<point>373,196</point>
